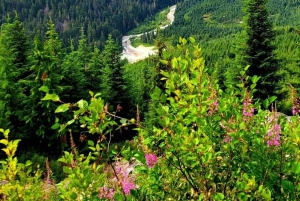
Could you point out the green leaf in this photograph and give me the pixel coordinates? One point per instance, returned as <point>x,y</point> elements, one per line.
<point>62,108</point>
<point>97,94</point>
<point>123,121</point>
<point>157,91</point>
<point>44,89</point>
<point>166,54</point>
<point>28,163</point>
<point>288,185</point>
<point>296,168</point>
<point>55,126</point>
<point>266,104</point>
<point>272,99</point>
<point>192,40</point>
<point>82,104</point>
<point>67,170</point>
<point>52,97</point>
<point>71,121</point>
<point>91,143</point>
<point>219,196</point>
<point>98,147</point>
<point>165,62</point>
<point>147,141</point>
<point>5,133</point>
<point>254,79</point>
<point>91,93</point>
<point>4,141</point>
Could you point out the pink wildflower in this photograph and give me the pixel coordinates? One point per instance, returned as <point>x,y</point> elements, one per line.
<point>227,138</point>
<point>127,186</point>
<point>127,183</point>
<point>274,136</point>
<point>213,108</point>
<point>105,193</point>
<point>248,110</point>
<point>295,111</point>
<point>151,160</point>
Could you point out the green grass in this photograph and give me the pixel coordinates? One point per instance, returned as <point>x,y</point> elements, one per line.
<point>151,23</point>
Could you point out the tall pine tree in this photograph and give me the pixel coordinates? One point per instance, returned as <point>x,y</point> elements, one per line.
<point>14,50</point>
<point>259,49</point>
<point>112,85</point>
<point>46,73</point>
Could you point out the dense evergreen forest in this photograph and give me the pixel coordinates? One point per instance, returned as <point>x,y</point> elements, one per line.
<point>219,25</point>
<point>200,113</point>
<point>98,17</point>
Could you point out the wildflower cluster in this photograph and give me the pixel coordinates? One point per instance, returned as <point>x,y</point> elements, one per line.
<point>213,108</point>
<point>127,183</point>
<point>106,193</point>
<point>151,160</point>
<point>296,102</point>
<point>274,135</point>
<point>248,110</point>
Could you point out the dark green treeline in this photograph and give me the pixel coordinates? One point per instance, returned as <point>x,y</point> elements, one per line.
<point>98,17</point>
<point>29,68</point>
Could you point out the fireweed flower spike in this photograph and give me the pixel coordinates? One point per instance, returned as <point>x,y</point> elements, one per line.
<point>151,160</point>
<point>127,183</point>
<point>274,135</point>
<point>248,110</point>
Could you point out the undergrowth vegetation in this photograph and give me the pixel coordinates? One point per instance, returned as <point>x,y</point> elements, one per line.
<point>206,144</point>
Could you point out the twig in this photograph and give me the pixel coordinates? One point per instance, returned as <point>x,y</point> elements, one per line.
<point>187,176</point>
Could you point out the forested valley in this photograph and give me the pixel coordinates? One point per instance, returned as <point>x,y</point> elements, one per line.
<point>99,18</point>
<point>213,115</point>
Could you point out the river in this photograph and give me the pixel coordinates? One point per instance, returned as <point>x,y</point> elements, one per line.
<point>134,54</point>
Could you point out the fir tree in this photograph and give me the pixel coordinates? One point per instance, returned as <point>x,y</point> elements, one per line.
<point>14,48</point>
<point>259,50</point>
<point>76,71</point>
<point>112,82</point>
<point>46,72</point>
<point>95,65</point>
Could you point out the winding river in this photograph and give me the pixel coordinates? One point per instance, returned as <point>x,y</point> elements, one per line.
<point>134,54</point>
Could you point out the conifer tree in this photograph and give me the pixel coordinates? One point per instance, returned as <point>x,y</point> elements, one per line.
<point>95,65</point>
<point>76,71</point>
<point>46,73</point>
<point>14,48</point>
<point>259,50</point>
<point>112,82</point>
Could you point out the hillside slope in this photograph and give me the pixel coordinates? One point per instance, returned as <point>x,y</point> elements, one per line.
<point>214,19</point>
<point>99,17</point>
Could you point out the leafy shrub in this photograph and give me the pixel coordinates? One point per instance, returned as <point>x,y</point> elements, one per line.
<point>218,145</point>
<point>209,144</point>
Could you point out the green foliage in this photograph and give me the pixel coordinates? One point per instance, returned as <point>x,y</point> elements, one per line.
<point>113,86</point>
<point>19,182</point>
<point>207,144</point>
<point>45,76</point>
<point>14,49</point>
<point>151,23</point>
<point>83,181</point>
<point>210,147</point>
<point>259,50</point>
<point>100,18</point>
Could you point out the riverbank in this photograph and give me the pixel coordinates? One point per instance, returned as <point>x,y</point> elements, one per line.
<point>134,54</point>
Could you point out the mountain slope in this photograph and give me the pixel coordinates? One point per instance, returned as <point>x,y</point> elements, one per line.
<point>98,17</point>
<point>214,19</point>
